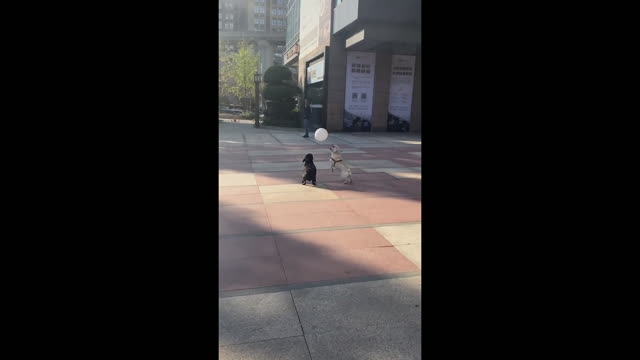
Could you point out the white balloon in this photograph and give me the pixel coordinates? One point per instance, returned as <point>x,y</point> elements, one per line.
<point>321,134</point>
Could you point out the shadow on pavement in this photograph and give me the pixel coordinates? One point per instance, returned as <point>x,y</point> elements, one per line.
<point>338,322</point>
<point>251,261</point>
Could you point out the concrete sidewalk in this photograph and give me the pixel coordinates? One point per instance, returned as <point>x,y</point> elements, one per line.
<point>325,272</point>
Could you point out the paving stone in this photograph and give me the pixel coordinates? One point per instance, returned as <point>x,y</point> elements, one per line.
<point>330,140</point>
<point>387,170</point>
<point>295,177</point>
<point>223,171</point>
<point>293,348</point>
<point>250,272</point>
<point>289,188</point>
<point>243,319</point>
<point>405,174</point>
<point>236,179</point>
<point>294,139</point>
<point>308,208</point>
<point>239,199</point>
<point>262,139</point>
<point>387,210</point>
<point>404,161</point>
<point>379,342</point>
<point>355,139</point>
<point>371,303</point>
<point>317,157</point>
<point>298,196</point>
<point>390,146</point>
<point>279,178</point>
<point>364,177</point>
<point>232,212</point>
<point>238,190</point>
<point>243,225</point>
<point>344,263</point>
<point>325,220</point>
<point>368,164</point>
<point>286,166</point>
<point>403,234</point>
<point>302,152</point>
<point>412,187</point>
<point>226,162</point>
<point>367,189</point>
<point>240,247</point>
<point>238,165</point>
<point>413,252</point>
<point>317,242</point>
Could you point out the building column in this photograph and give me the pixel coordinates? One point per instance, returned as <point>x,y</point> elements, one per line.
<point>336,78</point>
<point>381,82</point>
<point>266,50</point>
<point>416,105</point>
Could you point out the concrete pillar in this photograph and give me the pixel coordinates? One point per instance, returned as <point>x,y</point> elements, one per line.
<point>266,50</point>
<point>416,105</point>
<point>381,84</point>
<point>337,76</point>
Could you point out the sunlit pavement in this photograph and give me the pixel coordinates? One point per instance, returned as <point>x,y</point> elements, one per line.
<point>325,272</point>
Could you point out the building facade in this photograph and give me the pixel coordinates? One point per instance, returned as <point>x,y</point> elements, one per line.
<point>292,37</point>
<point>359,62</point>
<point>260,22</point>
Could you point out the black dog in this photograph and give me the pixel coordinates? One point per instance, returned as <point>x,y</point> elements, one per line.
<point>309,170</point>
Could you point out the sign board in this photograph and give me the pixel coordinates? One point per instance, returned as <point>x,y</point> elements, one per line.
<point>400,92</point>
<point>293,52</point>
<point>358,102</point>
<point>315,72</point>
<point>315,24</point>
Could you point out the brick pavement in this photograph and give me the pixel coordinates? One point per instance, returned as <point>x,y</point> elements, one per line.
<point>277,235</point>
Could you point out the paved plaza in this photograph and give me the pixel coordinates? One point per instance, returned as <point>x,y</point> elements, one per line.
<point>327,272</point>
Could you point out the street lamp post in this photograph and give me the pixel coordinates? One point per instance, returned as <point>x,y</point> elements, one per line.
<point>257,79</point>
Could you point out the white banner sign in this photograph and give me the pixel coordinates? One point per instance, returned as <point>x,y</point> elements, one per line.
<point>400,92</point>
<point>315,72</point>
<point>358,103</point>
<point>315,20</point>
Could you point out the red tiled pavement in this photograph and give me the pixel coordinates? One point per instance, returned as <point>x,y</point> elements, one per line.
<point>250,272</point>
<point>313,221</point>
<point>249,260</point>
<point>318,242</point>
<point>295,177</point>
<point>366,189</point>
<point>240,211</point>
<point>243,225</point>
<point>345,263</point>
<point>306,207</point>
<point>374,177</point>
<point>238,190</point>
<point>240,199</point>
<point>386,210</point>
<point>239,247</point>
<point>412,187</point>
<point>237,167</point>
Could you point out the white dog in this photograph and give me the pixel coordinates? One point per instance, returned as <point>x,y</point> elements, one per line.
<point>338,163</point>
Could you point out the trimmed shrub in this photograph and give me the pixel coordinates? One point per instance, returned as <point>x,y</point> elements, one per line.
<point>280,96</point>
<point>276,74</point>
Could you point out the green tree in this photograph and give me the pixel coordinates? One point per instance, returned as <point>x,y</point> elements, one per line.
<point>225,81</point>
<point>237,70</point>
